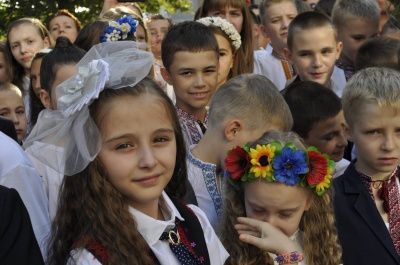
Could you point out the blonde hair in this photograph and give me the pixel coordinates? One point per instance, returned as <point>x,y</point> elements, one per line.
<point>6,86</point>
<point>265,4</point>
<point>317,223</point>
<point>373,86</point>
<point>346,10</point>
<point>252,98</point>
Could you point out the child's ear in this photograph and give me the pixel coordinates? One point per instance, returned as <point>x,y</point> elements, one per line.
<point>45,98</point>
<point>264,31</point>
<point>339,49</point>
<point>165,75</point>
<point>347,131</point>
<point>288,55</point>
<point>232,129</point>
<point>46,42</point>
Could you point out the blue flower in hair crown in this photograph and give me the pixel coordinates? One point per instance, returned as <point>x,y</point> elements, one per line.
<point>276,163</point>
<point>119,29</point>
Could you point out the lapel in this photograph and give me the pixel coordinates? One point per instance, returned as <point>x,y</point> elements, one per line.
<point>357,194</point>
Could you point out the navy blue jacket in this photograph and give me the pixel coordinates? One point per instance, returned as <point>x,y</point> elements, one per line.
<point>362,231</point>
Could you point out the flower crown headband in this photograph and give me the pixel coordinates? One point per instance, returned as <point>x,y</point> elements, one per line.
<point>119,29</point>
<point>277,163</point>
<point>227,27</point>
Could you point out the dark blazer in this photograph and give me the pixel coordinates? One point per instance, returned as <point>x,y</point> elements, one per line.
<point>8,128</point>
<point>362,232</point>
<point>18,243</point>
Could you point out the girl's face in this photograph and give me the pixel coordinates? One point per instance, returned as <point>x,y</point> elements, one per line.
<point>276,203</point>
<point>226,59</point>
<point>63,26</point>
<point>232,14</point>
<point>138,148</point>
<point>35,76</point>
<point>62,74</point>
<point>25,41</point>
<point>158,28</point>
<point>3,74</point>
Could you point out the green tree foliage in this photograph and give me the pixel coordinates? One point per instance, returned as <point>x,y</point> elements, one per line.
<point>84,10</point>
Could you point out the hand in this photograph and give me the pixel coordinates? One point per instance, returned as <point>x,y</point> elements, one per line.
<point>264,236</point>
<point>107,5</point>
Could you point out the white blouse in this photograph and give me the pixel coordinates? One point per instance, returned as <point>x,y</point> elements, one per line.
<point>151,230</point>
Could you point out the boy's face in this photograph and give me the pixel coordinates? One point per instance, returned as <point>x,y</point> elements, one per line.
<point>328,136</point>
<point>353,34</point>
<point>158,28</point>
<point>376,135</point>
<point>277,17</point>
<point>314,54</point>
<point>194,78</point>
<point>12,107</point>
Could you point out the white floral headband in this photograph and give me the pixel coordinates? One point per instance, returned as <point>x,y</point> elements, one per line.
<point>227,27</point>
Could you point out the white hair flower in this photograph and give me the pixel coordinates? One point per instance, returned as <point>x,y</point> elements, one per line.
<point>227,27</point>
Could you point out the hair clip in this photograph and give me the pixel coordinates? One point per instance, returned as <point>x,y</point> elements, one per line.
<point>119,29</point>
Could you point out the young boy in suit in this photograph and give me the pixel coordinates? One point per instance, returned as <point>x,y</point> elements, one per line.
<point>367,197</point>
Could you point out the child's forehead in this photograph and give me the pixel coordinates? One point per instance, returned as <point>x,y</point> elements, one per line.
<point>158,23</point>
<point>325,33</point>
<point>202,56</point>
<point>282,7</point>
<point>11,95</point>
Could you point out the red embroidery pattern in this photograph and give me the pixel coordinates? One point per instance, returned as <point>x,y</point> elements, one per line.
<point>184,240</point>
<point>98,250</point>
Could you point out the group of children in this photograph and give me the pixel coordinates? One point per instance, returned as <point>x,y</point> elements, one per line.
<point>233,167</point>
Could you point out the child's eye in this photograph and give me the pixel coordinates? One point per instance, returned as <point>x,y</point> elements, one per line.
<point>185,73</point>
<point>123,146</point>
<point>14,46</point>
<point>358,38</point>
<point>4,114</point>
<point>161,139</point>
<point>54,29</point>
<point>222,53</point>
<point>304,54</point>
<point>21,112</point>
<point>372,132</point>
<point>285,215</point>
<point>216,13</point>
<point>235,14</point>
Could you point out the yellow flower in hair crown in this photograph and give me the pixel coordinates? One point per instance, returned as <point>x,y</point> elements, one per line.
<point>277,163</point>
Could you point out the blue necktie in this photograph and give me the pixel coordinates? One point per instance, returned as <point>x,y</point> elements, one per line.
<point>184,255</point>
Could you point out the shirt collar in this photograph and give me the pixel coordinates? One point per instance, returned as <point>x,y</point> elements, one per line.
<point>150,228</point>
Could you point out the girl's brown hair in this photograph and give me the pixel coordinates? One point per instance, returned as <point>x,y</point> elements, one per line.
<point>91,208</point>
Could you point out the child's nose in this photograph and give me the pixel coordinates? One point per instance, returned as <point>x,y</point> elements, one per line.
<point>285,22</point>
<point>147,158</point>
<point>14,118</point>
<point>317,61</point>
<point>389,143</point>
<point>199,82</point>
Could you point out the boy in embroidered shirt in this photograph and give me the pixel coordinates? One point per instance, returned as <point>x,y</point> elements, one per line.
<point>190,56</point>
<point>318,119</point>
<point>241,110</point>
<point>356,21</point>
<point>275,18</point>
<point>367,194</point>
<point>313,49</point>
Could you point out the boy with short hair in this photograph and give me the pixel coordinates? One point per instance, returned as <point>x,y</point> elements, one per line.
<point>318,119</point>
<point>313,49</point>
<point>356,22</point>
<point>379,51</point>
<point>190,56</point>
<point>241,111</point>
<point>367,197</point>
<point>12,107</point>
<point>275,17</point>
